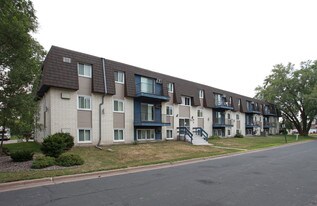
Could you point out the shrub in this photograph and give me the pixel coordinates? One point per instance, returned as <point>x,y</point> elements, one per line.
<point>21,156</point>
<point>238,135</point>
<point>67,138</point>
<point>68,160</point>
<point>53,146</point>
<point>42,162</point>
<point>214,137</point>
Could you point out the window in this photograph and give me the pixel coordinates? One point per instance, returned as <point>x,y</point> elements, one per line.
<point>199,113</point>
<point>169,110</point>
<point>118,135</point>
<point>147,85</point>
<point>84,70</point>
<point>201,94</point>
<point>229,132</point>
<point>84,135</point>
<point>118,106</point>
<point>230,101</point>
<point>228,115</point>
<point>119,77</point>
<point>186,101</point>
<point>239,104</point>
<point>170,87</point>
<point>145,134</point>
<point>237,117</point>
<point>218,99</point>
<point>84,102</point>
<point>169,134</point>
<point>147,112</point>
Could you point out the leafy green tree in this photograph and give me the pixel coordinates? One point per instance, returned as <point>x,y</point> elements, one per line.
<point>20,60</point>
<point>294,91</point>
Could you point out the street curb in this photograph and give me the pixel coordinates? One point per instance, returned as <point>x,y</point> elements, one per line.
<point>24,184</point>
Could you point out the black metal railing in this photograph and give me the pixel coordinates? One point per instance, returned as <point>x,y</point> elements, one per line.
<point>185,131</point>
<point>201,132</point>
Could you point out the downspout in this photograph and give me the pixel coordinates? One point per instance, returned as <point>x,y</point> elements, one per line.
<point>102,100</point>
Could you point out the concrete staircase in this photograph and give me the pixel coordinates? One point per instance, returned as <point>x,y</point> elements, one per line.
<point>198,140</point>
<point>196,137</point>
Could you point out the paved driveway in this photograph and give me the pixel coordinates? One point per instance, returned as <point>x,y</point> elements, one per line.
<point>283,176</point>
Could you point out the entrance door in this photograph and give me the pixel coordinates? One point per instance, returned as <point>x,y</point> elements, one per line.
<point>184,123</point>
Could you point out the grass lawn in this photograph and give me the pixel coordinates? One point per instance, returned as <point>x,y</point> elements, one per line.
<point>33,146</point>
<point>123,156</point>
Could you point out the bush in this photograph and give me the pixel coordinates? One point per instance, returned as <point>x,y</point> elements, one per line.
<point>21,156</point>
<point>68,160</point>
<point>214,137</point>
<point>42,162</point>
<point>67,138</point>
<point>238,135</point>
<point>55,145</point>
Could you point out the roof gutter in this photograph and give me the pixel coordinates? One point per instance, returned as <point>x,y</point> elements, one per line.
<point>102,100</point>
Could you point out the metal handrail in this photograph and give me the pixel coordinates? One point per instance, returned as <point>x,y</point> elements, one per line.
<point>200,131</point>
<point>186,132</point>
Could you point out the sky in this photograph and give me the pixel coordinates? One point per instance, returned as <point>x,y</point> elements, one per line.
<point>228,44</point>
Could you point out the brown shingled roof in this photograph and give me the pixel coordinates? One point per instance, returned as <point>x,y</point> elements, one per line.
<point>56,73</point>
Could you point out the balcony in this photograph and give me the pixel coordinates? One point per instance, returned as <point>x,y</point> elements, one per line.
<point>146,119</point>
<point>252,110</point>
<point>253,124</point>
<point>221,122</point>
<point>268,112</point>
<point>269,124</point>
<point>150,91</point>
<point>219,104</point>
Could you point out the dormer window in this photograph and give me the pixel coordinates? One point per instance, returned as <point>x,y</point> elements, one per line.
<point>201,94</point>
<point>119,77</point>
<point>170,87</point>
<point>84,70</point>
<point>186,101</point>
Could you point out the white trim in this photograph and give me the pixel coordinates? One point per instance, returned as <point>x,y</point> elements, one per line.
<point>80,142</point>
<point>118,78</point>
<point>137,136</point>
<point>202,113</point>
<point>201,94</point>
<point>123,133</point>
<point>169,137</point>
<point>172,91</point>
<point>90,101</point>
<point>170,106</point>
<point>184,101</point>
<point>83,75</point>
<point>118,100</point>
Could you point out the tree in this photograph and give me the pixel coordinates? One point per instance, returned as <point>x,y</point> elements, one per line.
<point>294,92</point>
<point>20,60</point>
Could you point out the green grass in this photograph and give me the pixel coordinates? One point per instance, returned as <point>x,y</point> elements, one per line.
<point>251,143</point>
<point>33,146</point>
<point>123,156</point>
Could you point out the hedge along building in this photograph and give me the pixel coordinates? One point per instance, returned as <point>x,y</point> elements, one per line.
<point>99,101</point>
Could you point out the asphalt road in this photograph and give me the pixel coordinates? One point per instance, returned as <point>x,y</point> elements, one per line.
<point>283,176</point>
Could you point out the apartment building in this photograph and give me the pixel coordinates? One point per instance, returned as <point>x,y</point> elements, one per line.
<point>100,101</point>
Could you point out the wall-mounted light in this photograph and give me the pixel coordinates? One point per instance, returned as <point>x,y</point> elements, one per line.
<point>177,115</point>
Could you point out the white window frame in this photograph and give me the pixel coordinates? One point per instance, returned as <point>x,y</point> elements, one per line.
<point>200,113</point>
<point>117,75</point>
<point>201,94</point>
<point>184,101</point>
<point>119,101</point>
<point>118,140</point>
<point>86,66</point>
<point>170,87</point>
<point>84,129</point>
<point>171,131</point>
<point>170,109</point>
<point>85,97</point>
<point>152,131</point>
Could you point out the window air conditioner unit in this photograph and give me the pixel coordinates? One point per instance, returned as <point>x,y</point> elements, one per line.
<point>159,81</point>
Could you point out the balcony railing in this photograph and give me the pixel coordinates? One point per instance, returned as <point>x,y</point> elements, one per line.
<point>269,124</point>
<point>152,120</point>
<point>268,112</point>
<point>253,124</point>
<point>223,105</point>
<point>221,122</point>
<point>252,109</point>
<point>149,90</point>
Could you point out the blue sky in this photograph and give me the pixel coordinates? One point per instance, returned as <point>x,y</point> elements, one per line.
<point>231,45</point>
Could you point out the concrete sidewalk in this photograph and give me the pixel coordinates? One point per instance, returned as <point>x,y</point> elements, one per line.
<point>93,175</point>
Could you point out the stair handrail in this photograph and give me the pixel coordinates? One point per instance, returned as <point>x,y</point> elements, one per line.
<point>201,132</point>
<point>186,132</point>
